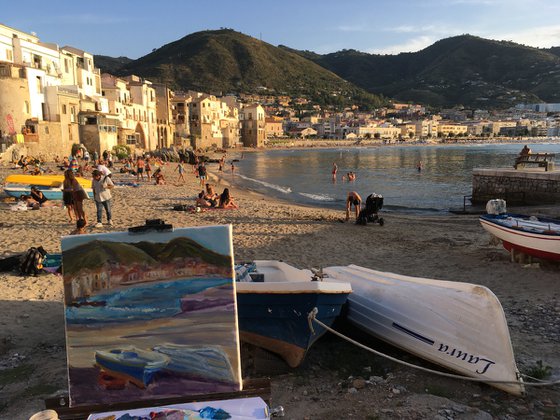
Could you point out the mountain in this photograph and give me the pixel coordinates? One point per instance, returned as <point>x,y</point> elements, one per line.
<point>224,61</point>
<point>110,64</point>
<point>96,253</point>
<point>465,70</point>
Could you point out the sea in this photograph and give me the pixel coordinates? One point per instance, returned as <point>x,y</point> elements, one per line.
<point>303,176</point>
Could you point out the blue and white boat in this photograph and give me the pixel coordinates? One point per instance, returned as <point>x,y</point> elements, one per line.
<point>274,301</point>
<point>132,364</point>
<point>17,185</point>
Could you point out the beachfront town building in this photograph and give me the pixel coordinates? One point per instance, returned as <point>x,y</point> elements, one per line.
<point>213,123</point>
<point>252,119</point>
<point>273,127</point>
<point>180,118</point>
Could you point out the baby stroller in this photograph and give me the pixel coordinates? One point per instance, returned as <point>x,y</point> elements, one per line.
<point>374,203</point>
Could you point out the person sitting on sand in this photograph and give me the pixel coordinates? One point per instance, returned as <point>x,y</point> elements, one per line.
<point>80,228</point>
<point>201,201</point>
<point>226,200</point>
<point>158,176</point>
<point>353,198</point>
<point>211,196</point>
<point>37,197</point>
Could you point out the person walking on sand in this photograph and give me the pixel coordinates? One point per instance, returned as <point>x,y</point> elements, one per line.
<point>353,198</point>
<point>334,171</point>
<point>419,166</point>
<point>181,169</point>
<point>101,186</point>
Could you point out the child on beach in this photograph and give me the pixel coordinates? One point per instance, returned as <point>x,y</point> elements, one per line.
<point>181,169</point>
<point>80,228</point>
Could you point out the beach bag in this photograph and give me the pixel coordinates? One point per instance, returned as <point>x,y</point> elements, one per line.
<point>32,262</point>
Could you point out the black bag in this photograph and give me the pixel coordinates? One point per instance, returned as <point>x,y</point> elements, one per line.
<point>32,262</point>
<point>180,207</point>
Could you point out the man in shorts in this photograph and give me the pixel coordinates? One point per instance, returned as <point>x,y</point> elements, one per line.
<point>353,198</point>
<point>202,174</point>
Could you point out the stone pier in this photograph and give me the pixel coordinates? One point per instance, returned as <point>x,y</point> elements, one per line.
<point>516,186</point>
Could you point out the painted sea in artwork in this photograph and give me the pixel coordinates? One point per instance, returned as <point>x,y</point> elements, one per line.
<point>150,315</point>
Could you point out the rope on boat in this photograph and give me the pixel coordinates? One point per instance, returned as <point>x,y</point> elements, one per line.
<point>312,318</point>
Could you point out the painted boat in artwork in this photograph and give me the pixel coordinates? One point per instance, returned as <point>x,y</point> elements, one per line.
<point>132,364</point>
<point>274,300</point>
<point>205,362</point>
<point>460,326</point>
<point>531,235</point>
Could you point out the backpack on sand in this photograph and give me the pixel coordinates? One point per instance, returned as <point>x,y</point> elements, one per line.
<point>32,261</point>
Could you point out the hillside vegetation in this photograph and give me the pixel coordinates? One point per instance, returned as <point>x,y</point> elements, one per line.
<point>465,70</point>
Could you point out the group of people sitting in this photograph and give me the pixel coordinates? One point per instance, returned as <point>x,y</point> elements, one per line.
<point>210,198</point>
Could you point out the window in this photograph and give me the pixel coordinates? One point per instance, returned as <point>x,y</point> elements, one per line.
<point>9,55</point>
<point>26,107</point>
<point>39,84</point>
<point>64,109</point>
<point>66,65</point>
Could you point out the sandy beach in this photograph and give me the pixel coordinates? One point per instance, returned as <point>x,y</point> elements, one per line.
<point>337,380</point>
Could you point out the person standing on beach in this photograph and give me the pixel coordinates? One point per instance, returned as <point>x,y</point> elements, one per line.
<point>419,166</point>
<point>101,186</point>
<point>181,169</point>
<point>353,198</point>
<point>334,171</point>
<point>202,174</point>
<point>78,193</point>
<point>140,164</point>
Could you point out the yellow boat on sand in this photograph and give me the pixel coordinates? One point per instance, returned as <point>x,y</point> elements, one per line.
<point>43,180</point>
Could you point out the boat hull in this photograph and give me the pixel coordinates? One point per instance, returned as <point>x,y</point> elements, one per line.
<point>520,233</point>
<point>138,367</point>
<point>52,193</point>
<point>459,326</point>
<point>278,322</point>
<point>43,180</point>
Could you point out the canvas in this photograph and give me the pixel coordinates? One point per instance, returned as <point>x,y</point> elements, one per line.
<point>150,315</point>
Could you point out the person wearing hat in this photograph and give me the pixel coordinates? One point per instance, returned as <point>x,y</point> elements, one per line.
<point>102,186</point>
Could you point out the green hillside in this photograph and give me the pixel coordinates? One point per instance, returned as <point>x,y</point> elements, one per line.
<point>95,254</point>
<point>226,61</point>
<point>467,70</point>
<point>464,70</point>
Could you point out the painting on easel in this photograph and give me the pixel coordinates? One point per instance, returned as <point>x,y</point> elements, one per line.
<point>150,315</point>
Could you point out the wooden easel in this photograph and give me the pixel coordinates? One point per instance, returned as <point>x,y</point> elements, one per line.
<point>251,388</point>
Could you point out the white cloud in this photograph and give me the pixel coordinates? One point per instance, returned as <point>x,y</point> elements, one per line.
<point>353,28</point>
<point>543,36</point>
<point>410,45</point>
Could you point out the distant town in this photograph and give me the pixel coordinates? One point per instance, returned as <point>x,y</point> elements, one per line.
<point>52,97</point>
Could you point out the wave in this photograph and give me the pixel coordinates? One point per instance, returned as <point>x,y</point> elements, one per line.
<point>285,190</point>
<point>319,197</point>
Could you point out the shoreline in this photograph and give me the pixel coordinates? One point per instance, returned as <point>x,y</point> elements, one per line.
<point>446,247</point>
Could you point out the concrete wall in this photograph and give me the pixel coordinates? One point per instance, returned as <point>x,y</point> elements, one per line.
<point>14,93</point>
<point>516,186</point>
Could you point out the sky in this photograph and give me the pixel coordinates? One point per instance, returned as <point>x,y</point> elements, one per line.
<point>133,28</point>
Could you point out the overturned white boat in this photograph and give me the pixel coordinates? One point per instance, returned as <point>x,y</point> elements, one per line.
<point>460,326</point>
